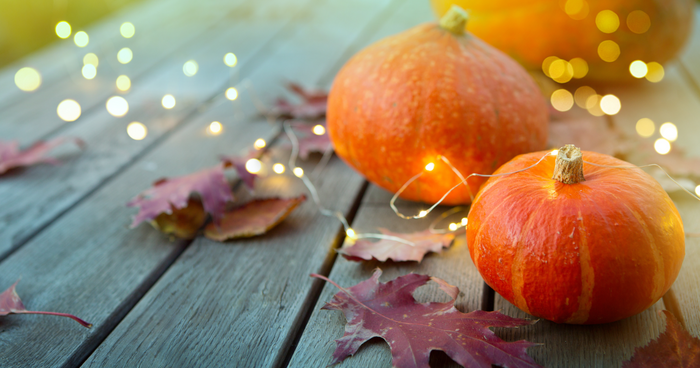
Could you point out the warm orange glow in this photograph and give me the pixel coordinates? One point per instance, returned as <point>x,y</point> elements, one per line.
<point>547,63</point>
<point>607,21</point>
<point>608,51</point>
<point>638,21</point>
<point>576,9</point>
<point>561,71</point>
<point>580,67</point>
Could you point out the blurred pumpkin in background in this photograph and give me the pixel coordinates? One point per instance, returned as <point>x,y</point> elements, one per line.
<point>602,37</point>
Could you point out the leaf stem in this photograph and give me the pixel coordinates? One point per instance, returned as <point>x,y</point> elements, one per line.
<point>85,324</point>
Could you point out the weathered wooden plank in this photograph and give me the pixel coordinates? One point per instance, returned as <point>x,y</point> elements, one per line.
<point>31,199</point>
<point>690,58</point>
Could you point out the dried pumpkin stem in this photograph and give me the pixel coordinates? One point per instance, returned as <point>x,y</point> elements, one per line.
<point>455,20</point>
<point>568,167</point>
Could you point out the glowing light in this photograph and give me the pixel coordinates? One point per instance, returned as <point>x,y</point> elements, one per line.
<point>610,104</point>
<point>278,168</point>
<point>562,100</point>
<point>298,172</point>
<point>638,69</point>
<point>547,63</point>
<point>232,93</point>
<point>351,233</point>
<point>27,79</point>
<point>580,67</point>
<point>117,106</point>
<point>68,110</point>
<point>127,30</point>
<point>607,21</point>
<point>215,127</point>
<point>63,29</point>
<point>608,51</point>
<point>190,68</point>
<point>81,39</point>
<point>430,166</point>
<point>582,94</point>
<point>253,166</point>
<point>662,146</point>
<point>125,55</point>
<point>576,9</point>
<point>638,21</point>
<point>561,71</point>
<point>465,221</point>
<point>136,131</point>
<point>91,59</point>
<point>422,213</point>
<point>669,131</point>
<point>554,152</point>
<point>697,190</point>
<point>453,226</point>
<point>230,59</point>
<point>645,127</point>
<point>123,83</point>
<point>89,71</point>
<point>655,73</point>
<point>260,144</point>
<point>593,105</point>
<point>319,129</point>
<point>168,101</point>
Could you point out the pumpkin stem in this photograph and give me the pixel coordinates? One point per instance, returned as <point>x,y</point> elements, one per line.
<point>455,20</point>
<point>568,167</point>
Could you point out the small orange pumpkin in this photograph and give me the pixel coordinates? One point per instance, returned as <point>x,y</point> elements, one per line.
<point>575,248</point>
<point>429,91</point>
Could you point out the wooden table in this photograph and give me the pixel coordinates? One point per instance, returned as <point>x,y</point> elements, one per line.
<point>155,302</point>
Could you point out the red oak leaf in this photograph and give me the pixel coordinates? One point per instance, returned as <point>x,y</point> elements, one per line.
<point>423,242</point>
<point>674,348</point>
<point>313,104</point>
<point>11,156</point>
<point>238,163</point>
<point>254,218</point>
<point>10,303</point>
<point>168,194</point>
<point>308,140</point>
<point>413,330</point>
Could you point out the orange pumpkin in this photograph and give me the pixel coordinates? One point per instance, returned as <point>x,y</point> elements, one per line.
<point>532,30</point>
<point>433,90</point>
<point>604,247</point>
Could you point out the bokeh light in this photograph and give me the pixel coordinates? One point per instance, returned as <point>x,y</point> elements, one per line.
<point>669,131</point>
<point>607,21</point>
<point>81,39</point>
<point>125,55</point>
<point>68,110</point>
<point>319,129</point>
<point>580,67</point>
<point>27,79</point>
<point>430,167</point>
<point>582,94</point>
<point>117,106</point>
<point>452,226</point>
<point>593,105</point>
<point>655,72</point>
<point>136,131</point>
<point>253,166</point>
<point>278,168</point>
<point>561,71</point>
<point>232,93</point>
<point>215,127</point>
<point>638,69</point>
<point>299,172</point>
<point>123,83</point>
<point>127,30</point>
<point>608,51</point>
<point>63,29</point>
<point>89,71</point>
<point>547,63</point>
<point>645,127</point>
<point>562,100</point>
<point>190,68</point>
<point>662,146</point>
<point>168,101</point>
<point>230,59</point>
<point>610,104</point>
<point>697,190</point>
<point>259,143</point>
<point>91,58</point>
<point>576,9</point>
<point>638,21</point>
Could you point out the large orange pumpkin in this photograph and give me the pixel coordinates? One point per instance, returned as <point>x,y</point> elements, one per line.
<point>532,30</point>
<point>433,90</point>
<point>590,251</point>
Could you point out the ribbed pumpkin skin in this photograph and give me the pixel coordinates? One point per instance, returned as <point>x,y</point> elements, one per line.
<point>401,102</point>
<point>532,30</point>
<point>593,252</point>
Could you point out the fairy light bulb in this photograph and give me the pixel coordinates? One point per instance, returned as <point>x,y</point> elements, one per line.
<point>63,29</point>
<point>89,71</point>
<point>645,127</point>
<point>319,129</point>
<point>554,152</point>
<point>465,221</point>
<point>125,55</point>
<point>453,227</point>
<point>253,166</point>
<point>168,102</point>
<point>669,131</point>
<point>81,39</point>
<point>231,93</point>
<point>278,168</point>
<point>351,233</point>
<point>215,127</point>
<point>136,131</point>
<point>430,166</point>
<point>662,146</point>
<point>27,79</point>
<point>230,59</point>
<point>259,143</point>
<point>697,190</point>
<point>298,172</point>
<point>68,110</point>
<point>127,30</point>
<point>638,69</point>
<point>117,106</point>
<point>190,68</point>
<point>422,213</point>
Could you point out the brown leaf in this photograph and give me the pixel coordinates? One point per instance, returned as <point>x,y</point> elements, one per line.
<point>384,249</point>
<point>674,348</point>
<point>11,156</point>
<point>254,218</point>
<point>10,303</point>
<point>182,222</point>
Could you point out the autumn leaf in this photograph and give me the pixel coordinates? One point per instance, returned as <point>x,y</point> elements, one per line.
<point>675,348</point>
<point>254,218</point>
<point>10,303</point>
<point>11,156</point>
<point>182,222</point>
<point>416,245</point>
<point>169,194</point>
<point>313,104</point>
<point>413,330</point>
<point>238,164</point>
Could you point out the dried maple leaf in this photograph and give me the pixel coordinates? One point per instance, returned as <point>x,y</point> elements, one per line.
<point>673,348</point>
<point>168,194</point>
<point>310,141</point>
<point>313,104</point>
<point>238,163</point>
<point>413,330</point>
<point>11,156</point>
<point>254,218</point>
<point>10,303</point>
<point>423,242</point>
<point>182,222</point>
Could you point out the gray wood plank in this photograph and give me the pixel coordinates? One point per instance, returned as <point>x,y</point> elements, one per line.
<point>690,57</point>
<point>32,198</point>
